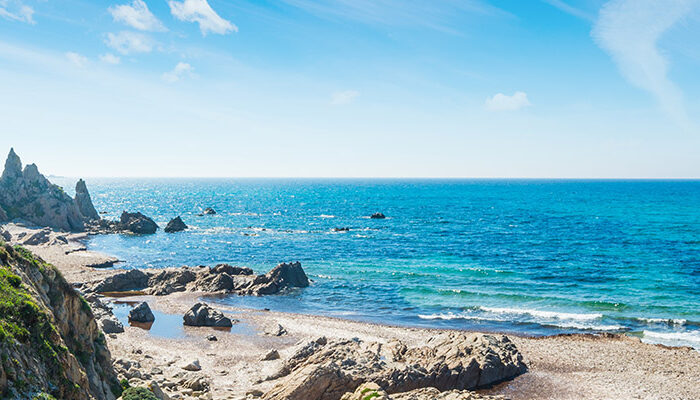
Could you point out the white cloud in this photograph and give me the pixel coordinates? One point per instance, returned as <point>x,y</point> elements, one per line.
<point>77,59</point>
<point>17,11</point>
<point>344,97</point>
<point>181,70</point>
<point>109,58</point>
<point>136,15</point>
<point>129,42</point>
<point>629,31</point>
<point>503,102</point>
<point>569,9</point>
<point>200,12</point>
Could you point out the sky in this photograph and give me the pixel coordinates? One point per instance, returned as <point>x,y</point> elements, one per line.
<point>352,88</point>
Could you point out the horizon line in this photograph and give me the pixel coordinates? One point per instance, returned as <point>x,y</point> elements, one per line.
<point>386,178</point>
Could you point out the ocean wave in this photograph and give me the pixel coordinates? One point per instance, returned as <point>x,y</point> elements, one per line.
<point>503,317</point>
<point>688,338</point>
<point>325,216</point>
<point>543,314</point>
<point>665,321</point>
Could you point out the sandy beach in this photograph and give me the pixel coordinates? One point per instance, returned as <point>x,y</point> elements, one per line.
<point>559,367</point>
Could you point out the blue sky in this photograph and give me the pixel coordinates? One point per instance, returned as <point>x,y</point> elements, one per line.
<point>353,88</point>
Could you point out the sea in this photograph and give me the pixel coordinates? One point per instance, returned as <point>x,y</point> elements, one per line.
<point>531,257</point>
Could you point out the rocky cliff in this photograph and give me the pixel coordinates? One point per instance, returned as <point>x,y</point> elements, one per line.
<point>28,195</point>
<point>50,344</point>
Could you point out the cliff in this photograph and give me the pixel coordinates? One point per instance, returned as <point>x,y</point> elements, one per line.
<point>50,344</point>
<point>27,194</point>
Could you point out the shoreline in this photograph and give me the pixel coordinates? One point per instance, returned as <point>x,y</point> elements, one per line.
<point>563,366</point>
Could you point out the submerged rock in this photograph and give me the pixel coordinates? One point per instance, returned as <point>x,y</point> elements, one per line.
<point>141,313</point>
<point>202,315</point>
<point>377,216</point>
<point>326,370</point>
<point>137,223</point>
<point>208,211</point>
<point>175,225</point>
<point>84,202</point>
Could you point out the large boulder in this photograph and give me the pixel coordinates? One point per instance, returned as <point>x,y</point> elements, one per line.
<point>283,276</point>
<point>28,195</point>
<point>141,313</point>
<point>326,370</point>
<point>132,279</point>
<point>84,202</point>
<point>202,315</point>
<point>137,223</point>
<point>175,225</point>
<point>209,211</point>
<point>377,216</point>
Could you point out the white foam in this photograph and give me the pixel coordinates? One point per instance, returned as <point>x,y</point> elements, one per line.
<point>679,321</point>
<point>543,314</point>
<point>691,339</point>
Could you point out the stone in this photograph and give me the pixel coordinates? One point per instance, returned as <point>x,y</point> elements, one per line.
<point>133,279</point>
<point>377,216</point>
<point>84,202</point>
<point>367,391</point>
<point>175,225</point>
<point>283,276</point>
<point>192,366</point>
<point>137,223</point>
<point>208,211</point>
<point>157,391</point>
<point>231,270</point>
<point>111,325</point>
<point>327,369</point>
<point>275,330</point>
<point>271,355</point>
<point>202,315</point>
<point>342,229</point>
<point>141,313</point>
<point>196,383</point>
<point>212,338</point>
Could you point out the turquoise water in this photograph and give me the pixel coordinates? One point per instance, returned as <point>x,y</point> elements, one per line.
<point>527,256</point>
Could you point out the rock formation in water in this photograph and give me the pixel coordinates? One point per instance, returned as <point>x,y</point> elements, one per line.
<point>326,370</point>
<point>137,223</point>
<point>202,315</point>
<point>223,278</point>
<point>175,225</point>
<point>27,194</point>
<point>84,202</point>
<point>49,340</point>
<point>377,215</point>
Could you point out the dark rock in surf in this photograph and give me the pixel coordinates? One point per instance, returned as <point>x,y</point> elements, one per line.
<point>377,216</point>
<point>175,225</point>
<point>343,229</point>
<point>137,223</point>
<point>208,211</point>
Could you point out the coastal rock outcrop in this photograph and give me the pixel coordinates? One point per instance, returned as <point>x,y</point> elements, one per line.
<point>137,223</point>
<point>28,195</point>
<point>377,216</point>
<point>202,315</point>
<point>84,202</point>
<point>141,313</point>
<point>175,225</point>
<point>326,370</point>
<point>375,392</point>
<point>222,278</point>
<point>49,338</point>
<point>209,211</point>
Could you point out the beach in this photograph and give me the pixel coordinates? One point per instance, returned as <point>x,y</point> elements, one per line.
<point>559,367</point>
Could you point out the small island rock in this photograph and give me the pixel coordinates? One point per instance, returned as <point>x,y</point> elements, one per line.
<point>175,225</point>
<point>208,211</point>
<point>377,216</point>
<point>137,223</point>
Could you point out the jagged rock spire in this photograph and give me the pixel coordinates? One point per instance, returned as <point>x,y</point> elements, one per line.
<point>13,167</point>
<point>84,202</point>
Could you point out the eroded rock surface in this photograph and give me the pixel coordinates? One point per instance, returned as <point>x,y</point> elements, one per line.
<point>175,225</point>
<point>326,370</point>
<point>141,313</point>
<point>202,315</point>
<point>137,223</point>
<point>84,202</point>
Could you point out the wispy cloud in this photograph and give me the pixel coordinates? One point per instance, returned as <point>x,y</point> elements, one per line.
<point>110,58</point>
<point>200,12</point>
<point>137,15</point>
<point>571,10</point>
<point>16,10</point>
<point>629,30</point>
<point>181,70</point>
<point>126,42</point>
<point>438,15</point>
<point>344,97</point>
<point>77,59</point>
<point>503,102</point>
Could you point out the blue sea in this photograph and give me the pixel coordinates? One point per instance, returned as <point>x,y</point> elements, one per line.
<point>533,257</point>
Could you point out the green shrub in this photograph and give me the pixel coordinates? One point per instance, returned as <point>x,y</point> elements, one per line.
<point>43,396</point>
<point>138,393</point>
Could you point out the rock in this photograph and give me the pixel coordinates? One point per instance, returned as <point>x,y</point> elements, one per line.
<point>271,355</point>
<point>137,223</point>
<point>175,225</point>
<point>193,366</point>
<point>111,325</point>
<point>5,235</point>
<point>375,392</point>
<point>106,262</point>
<point>343,229</point>
<point>283,276</point>
<point>275,330</point>
<point>326,370</point>
<point>39,237</point>
<point>3,215</point>
<point>254,393</point>
<point>30,196</point>
<point>231,270</point>
<point>133,279</point>
<point>378,216</point>
<point>157,391</point>
<point>208,211</point>
<point>202,315</point>
<point>212,338</point>
<point>84,202</point>
<point>141,313</point>
<point>196,383</point>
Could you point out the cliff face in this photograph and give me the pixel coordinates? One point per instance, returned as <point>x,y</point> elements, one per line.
<point>28,195</point>
<point>49,340</point>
